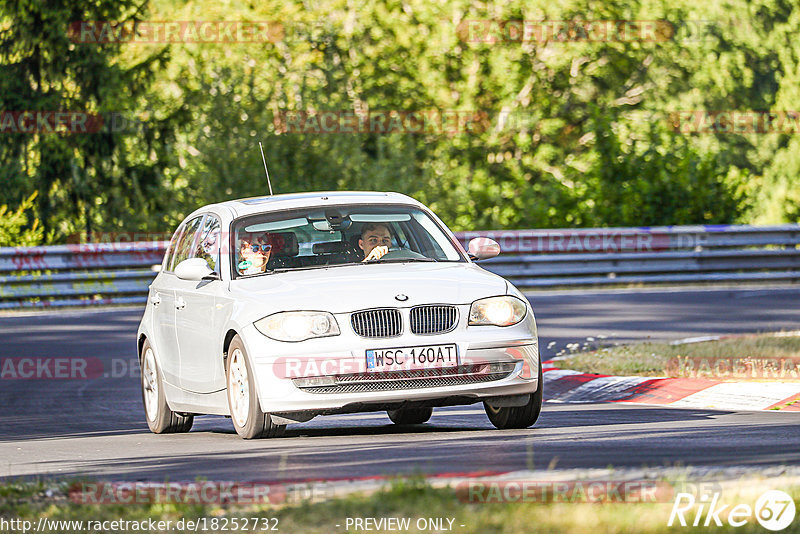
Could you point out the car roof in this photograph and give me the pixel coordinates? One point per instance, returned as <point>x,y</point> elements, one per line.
<point>248,206</point>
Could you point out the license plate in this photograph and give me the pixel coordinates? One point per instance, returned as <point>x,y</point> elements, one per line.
<point>420,357</point>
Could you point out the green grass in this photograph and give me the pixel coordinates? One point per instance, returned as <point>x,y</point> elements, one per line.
<point>658,359</point>
<point>405,498</point>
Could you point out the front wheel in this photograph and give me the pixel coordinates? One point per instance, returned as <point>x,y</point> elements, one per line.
<point>410,416</point>
<point>160,419</point>
<point>506,417</point>
<point>248,419</point>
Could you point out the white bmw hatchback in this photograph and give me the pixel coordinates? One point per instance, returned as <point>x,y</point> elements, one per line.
<point>274,310</point>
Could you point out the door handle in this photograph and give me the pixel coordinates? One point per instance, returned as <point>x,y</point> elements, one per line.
<point>180,303</point>
<point>155,299</point>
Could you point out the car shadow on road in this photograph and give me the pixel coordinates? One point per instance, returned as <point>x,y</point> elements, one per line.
<point>9,434</point>
<point>568,438</point>
<point>560,415</point>
<point>555,415</point>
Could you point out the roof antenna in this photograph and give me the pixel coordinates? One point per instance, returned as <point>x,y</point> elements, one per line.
<point>265,167</point>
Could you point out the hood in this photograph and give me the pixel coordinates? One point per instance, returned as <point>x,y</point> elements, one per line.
<point>356,287</point>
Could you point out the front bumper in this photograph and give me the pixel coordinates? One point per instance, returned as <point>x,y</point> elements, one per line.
<point>507,359</point>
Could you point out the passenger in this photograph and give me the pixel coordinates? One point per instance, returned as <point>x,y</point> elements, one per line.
<point>253,258</point>
<point>375,240</point>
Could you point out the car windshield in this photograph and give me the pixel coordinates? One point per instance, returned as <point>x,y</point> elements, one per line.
<point>341,235</point>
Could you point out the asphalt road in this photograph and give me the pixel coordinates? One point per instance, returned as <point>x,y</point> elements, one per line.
<point>95,427</point>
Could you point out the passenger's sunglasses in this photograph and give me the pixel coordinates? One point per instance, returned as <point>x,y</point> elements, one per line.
<point>262,248</point>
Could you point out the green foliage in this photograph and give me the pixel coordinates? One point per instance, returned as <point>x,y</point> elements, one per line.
<point>589,142</point>
<point>18,228</point>
<point>658,179</point>
<point>86,181</point>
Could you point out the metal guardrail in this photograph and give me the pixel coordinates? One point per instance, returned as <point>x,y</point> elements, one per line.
<point>78,275</point>
<point>120,273</point>
<point>648,255</point>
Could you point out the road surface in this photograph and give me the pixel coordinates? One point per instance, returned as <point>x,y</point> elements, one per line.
<point>95,427</point>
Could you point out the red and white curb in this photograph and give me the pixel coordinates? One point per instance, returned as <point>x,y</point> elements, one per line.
<point>561,385</point>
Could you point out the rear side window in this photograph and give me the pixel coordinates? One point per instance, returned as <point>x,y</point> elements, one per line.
<point>184,248</point>
<point>171,248</point>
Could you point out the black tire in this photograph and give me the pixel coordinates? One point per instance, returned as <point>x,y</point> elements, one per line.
<point>160,419</point>
<point>410,416</point>
<point>518,416</point>
<point>255,424</point>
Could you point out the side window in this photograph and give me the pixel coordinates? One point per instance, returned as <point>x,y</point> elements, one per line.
<point>431,239</point>
<point>183,250</point>
<point>171,248</point>
<point>208,244</point>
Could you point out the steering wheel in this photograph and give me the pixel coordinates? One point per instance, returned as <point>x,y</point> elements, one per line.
<point>401,254</point>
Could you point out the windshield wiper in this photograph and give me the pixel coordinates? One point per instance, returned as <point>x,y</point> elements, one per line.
<point>402,260</point>
<point>310,267</point>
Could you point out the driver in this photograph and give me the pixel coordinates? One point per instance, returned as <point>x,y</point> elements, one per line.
<point>375,240</point>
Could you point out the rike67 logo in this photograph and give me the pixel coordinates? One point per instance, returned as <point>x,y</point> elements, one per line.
<point>774,510</point>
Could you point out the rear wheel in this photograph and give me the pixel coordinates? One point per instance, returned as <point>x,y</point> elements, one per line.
<point>410,416</point>
<point>505,417</point>
<point>248,419</point>
<point>160,418</point>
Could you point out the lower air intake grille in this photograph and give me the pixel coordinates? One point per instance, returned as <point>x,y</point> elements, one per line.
<point>384,322</point>
<point>427,378</point>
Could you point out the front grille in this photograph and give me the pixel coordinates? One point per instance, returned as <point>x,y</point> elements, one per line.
<point>415,379</point>
<point>433,319</point>
<point>385,322</point>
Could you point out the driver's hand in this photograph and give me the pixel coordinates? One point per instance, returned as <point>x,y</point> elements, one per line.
<point>376,253</point>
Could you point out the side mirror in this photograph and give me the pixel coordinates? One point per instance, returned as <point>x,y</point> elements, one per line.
<point>195,269</point>
<point>482,248</point>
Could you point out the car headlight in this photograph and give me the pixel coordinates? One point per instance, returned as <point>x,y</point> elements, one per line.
<point>497,311</point>
<point>298,325</point>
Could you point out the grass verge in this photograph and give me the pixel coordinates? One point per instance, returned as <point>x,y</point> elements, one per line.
<point>664,359</point>
<point>412,499</point>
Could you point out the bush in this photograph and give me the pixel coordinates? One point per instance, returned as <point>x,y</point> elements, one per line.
<point>15,228</point>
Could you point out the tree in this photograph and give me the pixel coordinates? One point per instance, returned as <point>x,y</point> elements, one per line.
<point>90,179</point>
<point>18,228</point>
